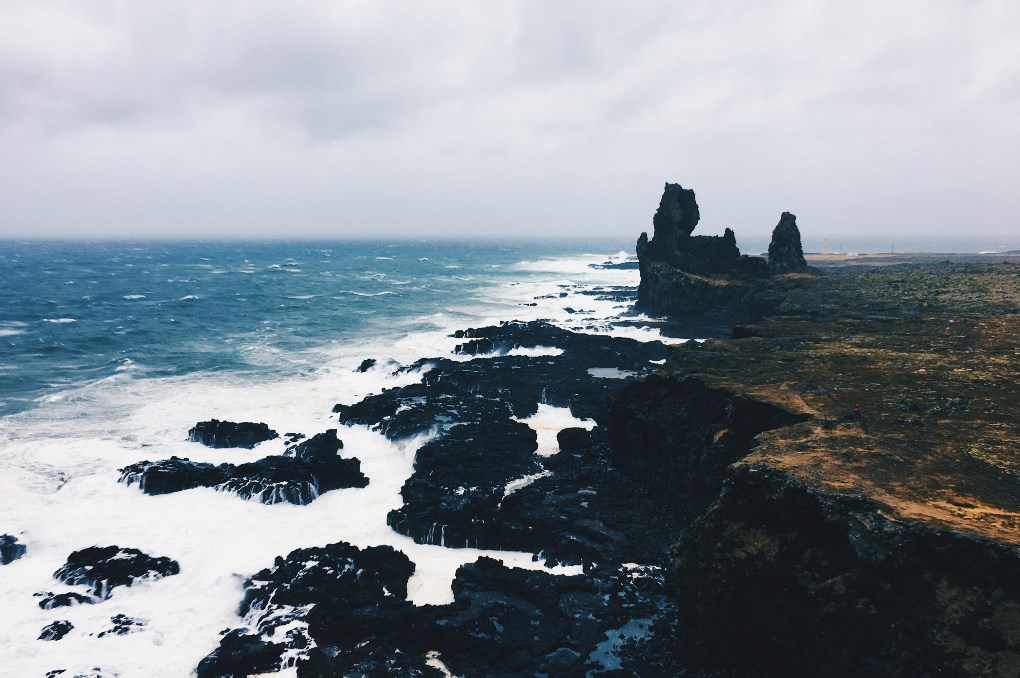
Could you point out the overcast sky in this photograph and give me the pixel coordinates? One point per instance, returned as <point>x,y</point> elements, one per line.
<point>376,118</point>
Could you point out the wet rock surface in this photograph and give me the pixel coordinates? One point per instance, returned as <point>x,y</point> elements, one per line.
<point>122,625</point>
<point>344,610</point>
<point>52,600</point>
<point>479,483</point>
<point>10,549</point>
<point>56,630</point>
<point>216,433</point>
<point>306,470</point>
<point>103,568</point>
<point>785,252</point>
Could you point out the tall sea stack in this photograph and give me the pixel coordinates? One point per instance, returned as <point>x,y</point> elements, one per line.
<point>785,252</point>
<point>685,274</point>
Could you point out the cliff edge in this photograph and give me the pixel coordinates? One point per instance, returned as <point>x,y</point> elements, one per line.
<point>849,467</point>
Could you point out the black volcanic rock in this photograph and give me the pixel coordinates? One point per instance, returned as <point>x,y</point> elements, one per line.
<point>503,621</point>
<point>785,252</point>
<point>479,483</point>
<point>56,630</point>
<point>104,568</point>
<point>122,626</point>
<point>10,549</point>
<point>51,600</point>
<point>366,365</point>
<point>460,480</point>
<point>241,654</point>
<point>306,470</point>
<point>686,274</point>
<point>216,433</point>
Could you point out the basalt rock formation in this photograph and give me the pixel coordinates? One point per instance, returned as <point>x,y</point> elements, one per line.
<point>785,252</point>
<point>479,482</point>
<point>346,610</point>
<point>10,549</point>
<point>306,470</point>
<point>103,568</point>
<point>216,433</point>
<point>828,543</point>
<point>686,274</point>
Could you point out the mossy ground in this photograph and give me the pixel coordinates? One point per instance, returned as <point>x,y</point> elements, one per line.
<point>930,352</point>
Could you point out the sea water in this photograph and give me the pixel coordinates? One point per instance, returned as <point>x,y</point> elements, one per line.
<point>111,351</point>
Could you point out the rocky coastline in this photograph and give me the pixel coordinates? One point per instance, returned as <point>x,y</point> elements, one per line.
<point>831,489</point>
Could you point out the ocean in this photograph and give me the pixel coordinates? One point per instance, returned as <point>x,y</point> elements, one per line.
<point>111,351</point>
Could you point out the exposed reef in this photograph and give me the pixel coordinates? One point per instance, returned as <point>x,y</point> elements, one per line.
<point>345,611</point>
<point>10,549</point>
<point>479,482</point>
<point>305,471</point>
<point>876,542</point>
<point>216,433</point>
<point>103,568</point>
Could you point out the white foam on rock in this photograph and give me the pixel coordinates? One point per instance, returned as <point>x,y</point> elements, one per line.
<point>59,467</point>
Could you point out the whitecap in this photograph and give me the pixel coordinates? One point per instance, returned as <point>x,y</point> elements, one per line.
<point>59,321</point>
<point>133,296</point>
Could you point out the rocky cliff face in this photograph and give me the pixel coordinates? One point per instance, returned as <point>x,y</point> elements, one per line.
<point>828,543</point>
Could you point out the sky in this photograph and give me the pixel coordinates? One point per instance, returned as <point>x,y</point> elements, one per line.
<point>375,118</point>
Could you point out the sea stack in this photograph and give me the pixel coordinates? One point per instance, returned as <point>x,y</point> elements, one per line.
<point>684,274</point>
<point>785,252</point>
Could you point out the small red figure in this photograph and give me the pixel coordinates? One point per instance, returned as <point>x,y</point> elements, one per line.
<point>857,411</point>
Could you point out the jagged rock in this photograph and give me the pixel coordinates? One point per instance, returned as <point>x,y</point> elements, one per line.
<point>10,549</point>
<point>306,470</point>
<point>785,252</point>
<point>51,600</point>
<point>103,568</point>
<point>346,610</point>
<point>241,654</point>
<point>459,481</point>
<point>686,274</point>
<point>56,630</point>
<point>216,433</point>
<point>122,626</point>
<point>366,365</point>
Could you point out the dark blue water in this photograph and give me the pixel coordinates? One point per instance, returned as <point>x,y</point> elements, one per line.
<point>71,312</point>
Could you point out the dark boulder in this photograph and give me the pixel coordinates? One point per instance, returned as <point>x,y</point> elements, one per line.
<point>51,600</point>
<point>10,549</point>
<point>56,630</point>
<point>104,568</point>
<point>122,626</point>
<point>366,365</point>
<point>503,622</point>
<point>785,252</point>
<point>306,470</point>
<point>240,655</point>
<point>216,433</point>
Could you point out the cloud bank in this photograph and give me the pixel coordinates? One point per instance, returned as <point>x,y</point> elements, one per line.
<point>404,119</point>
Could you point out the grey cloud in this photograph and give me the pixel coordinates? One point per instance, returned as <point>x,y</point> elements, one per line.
<point>237,117</point>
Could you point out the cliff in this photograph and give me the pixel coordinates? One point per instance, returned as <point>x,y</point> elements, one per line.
<point>828,543</point>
